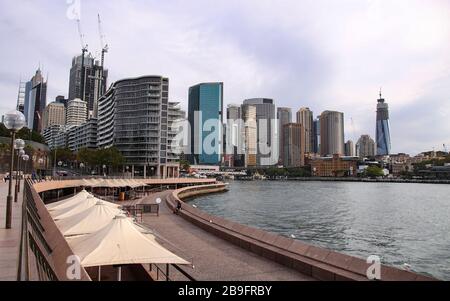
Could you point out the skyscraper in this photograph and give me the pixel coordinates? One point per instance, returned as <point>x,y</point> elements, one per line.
<point>206,120</point>
<point>284,116</point>
<point>55,114</point>
<point>383,129</point>
<point>233,143</point>
<point>21,97</point>
<point>267,152</point>
<point>332,133</point>
<point>365,148</point>
<point>305,118</point>
<point>95,82</point>
<point>317,135</point>
<point>35,101</point>
<point>349,148</point>
<point>76,112</point>
<point>250,135</point>
<point>293,148</point>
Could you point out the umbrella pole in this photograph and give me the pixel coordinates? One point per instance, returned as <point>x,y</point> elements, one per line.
<point>119,274</point>
<point>99,273</point>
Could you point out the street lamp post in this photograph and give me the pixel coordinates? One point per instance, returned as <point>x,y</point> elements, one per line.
<point>127,168</point>
<point>40,162</point>
<point>81,167</point>
<point>60,163</point>
<point>20,152</point>
<point>14,121</point>
<point>104,171</point>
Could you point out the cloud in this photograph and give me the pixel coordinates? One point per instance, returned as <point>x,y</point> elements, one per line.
<point>322,54</point>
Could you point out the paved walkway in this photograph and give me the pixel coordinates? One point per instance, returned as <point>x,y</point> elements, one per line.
<point>9,239</point>
<point>213,257</point>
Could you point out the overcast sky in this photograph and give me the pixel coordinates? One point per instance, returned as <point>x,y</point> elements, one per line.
<point>325,54</point>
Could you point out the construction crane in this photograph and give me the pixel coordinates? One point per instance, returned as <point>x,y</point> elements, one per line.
<point>84,49</point>
<point>105,48</point>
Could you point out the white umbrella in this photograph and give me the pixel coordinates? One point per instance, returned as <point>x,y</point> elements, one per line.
<point>121,243</point>
<point>81,206</point>
<point>88,221</point>
<point>69,202</point>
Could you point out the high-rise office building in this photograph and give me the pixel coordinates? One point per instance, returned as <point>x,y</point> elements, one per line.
<point>349,148</point>
<point>76,112</point>
<point>293,149</point>
<point>136,117</point>
<point>305,118</point>
<point>95,82</point>
<point>35,101</point>
<point>365,147</point>
<point>284,116</point>
<point>54,114</point>
<point>61,99</point>
<point>250,135</point>
<point>332,133</point>
<point>83,136</point>
<point>317,135</point>
<point>267,149</point>
<point>383,128</point>
<point>234,142</point>
<point>206,120</point>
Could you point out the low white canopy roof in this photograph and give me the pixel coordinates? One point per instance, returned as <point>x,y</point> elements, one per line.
<point>78,207</point>
<point>120,243</point>
<point>69,202</point>
<point>89,220</point>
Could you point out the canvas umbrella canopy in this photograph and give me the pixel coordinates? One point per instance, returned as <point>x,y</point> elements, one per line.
<point>79,207</point>
<point>121,243</point>
<point>69,202</point>
<point>89,220</point>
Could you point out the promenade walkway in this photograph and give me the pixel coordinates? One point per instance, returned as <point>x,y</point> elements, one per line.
<point>9,239</point>
<point>213,257</point>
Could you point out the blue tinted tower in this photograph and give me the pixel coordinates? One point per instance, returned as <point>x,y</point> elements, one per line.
<point>383,130</point>
<point>206,120</point>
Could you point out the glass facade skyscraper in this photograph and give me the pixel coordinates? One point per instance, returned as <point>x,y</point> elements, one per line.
<point>383,129</point>
<point>206,120</point>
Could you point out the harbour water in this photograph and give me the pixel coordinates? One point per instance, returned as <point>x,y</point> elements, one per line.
<point>407,225</point>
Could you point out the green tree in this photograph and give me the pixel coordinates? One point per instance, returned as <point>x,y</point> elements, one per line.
<point>24,133</point>
<point>374,171</point>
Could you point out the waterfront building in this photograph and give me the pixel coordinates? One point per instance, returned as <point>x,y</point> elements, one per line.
<point>51,133</point>
<point>267,149</point>
<point>284,116</point>
<point>331,133</point>
<point>54,114</point>
<point>76,112</point>
<point>35,101</point>
<point>349,148</point>
<point>250,135</point>
<point>95,82</point>
<point>175,143</point>
<point>206,121</point>
<point>305,118</point>
<point>294,140</point>
<point>83,136</point>
<point>334,166</point>
<point>365,147</point>
<point>136,117</point>
<point>383,137</point>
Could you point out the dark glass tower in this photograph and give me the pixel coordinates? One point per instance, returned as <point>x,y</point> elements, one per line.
<point>383,130</point>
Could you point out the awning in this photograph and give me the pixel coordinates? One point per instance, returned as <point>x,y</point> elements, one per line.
<point>121,243</point>
<point>89,220</point>
<point>81,206</point>
<point>69,202</point>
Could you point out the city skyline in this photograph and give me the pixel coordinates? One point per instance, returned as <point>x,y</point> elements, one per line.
<point>288,67</point>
